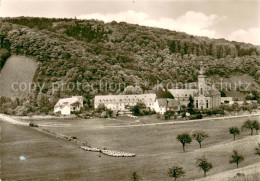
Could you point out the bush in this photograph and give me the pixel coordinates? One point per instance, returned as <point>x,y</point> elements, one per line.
<point>33,125</point>
<point>196,116</point>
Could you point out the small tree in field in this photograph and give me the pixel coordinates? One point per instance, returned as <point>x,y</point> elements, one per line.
<point>199,136</point>
<point>234,131</point>
<point>184,138</point>
<point>257,150</point>
<point>176,172</point>
<point>203,164</point>
<point>236,158</point>
<point>135,177</point>
<point>256,126</point>
<point>248,125</point>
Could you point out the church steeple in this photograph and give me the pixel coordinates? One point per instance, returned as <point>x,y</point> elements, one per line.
<point>201,80</point>
<point>201,72</point>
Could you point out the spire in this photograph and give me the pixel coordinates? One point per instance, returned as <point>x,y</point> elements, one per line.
<point>201,72</point>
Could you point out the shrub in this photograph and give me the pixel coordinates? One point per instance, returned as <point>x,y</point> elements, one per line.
<point>33,125</point>
<point>196,116</point>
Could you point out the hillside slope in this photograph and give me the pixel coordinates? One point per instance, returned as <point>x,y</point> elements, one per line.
<point>20,71</point>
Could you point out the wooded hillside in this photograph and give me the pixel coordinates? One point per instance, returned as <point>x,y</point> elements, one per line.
<point>89,51</point>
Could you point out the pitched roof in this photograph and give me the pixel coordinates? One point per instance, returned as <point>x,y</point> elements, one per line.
<point>209,93</point>
<point>69,101</point>
<point>170,103</point>
<point>125,98</point>
<point>182,92</point>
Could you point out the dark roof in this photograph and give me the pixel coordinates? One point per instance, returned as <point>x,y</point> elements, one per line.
<point>209,93</point>
<point>170,103</point>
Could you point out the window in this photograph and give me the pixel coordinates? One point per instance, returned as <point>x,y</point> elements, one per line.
<point>207,103</point>
<point>201,91</point>
<point>197,104</point>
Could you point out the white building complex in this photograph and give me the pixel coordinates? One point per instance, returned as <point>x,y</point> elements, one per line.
<point>204,96</point>
<point>124,102</point>
<point>68,105</point>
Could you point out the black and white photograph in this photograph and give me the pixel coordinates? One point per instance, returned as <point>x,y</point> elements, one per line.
<point>129,90</point>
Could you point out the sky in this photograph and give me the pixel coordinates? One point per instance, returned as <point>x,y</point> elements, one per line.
<point>237,20</point>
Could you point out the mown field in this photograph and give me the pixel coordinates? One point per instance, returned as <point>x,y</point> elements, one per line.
<point>156,150</point>
<point>16,69</point>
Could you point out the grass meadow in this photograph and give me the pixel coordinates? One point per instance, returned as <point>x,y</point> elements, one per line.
<point>156,149</point>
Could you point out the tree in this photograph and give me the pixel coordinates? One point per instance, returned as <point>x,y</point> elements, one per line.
<point>101,108</point>
<point>256,125</point>
<point>137,108</point>
<point>248,125</point>
<point>223,94</point>
<point>236,158</point>
<point>234,131</point>
<point>168,114</point>
<point>135,176</point>
<point>184,138</point>
<point>203,164</point>
<point>191,105</point>
<point>133,90</point>
<point>176,172</point>
<point>257,150</point>
<point>199,136</point>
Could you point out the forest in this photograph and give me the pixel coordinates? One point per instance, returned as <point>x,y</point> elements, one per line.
<point>91,51</point>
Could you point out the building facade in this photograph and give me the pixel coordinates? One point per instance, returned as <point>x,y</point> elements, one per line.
<point>68,105</point>
<point>183,95</point>
<point>163,105</point>
<point>206,97</point>
<point>124,102</point>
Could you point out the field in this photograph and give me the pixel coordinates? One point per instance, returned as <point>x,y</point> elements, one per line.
<point>16,69</point>
<point>156,149</point>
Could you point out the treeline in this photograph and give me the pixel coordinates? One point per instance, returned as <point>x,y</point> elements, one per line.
<point>187,47</point>
<point>77,29</point>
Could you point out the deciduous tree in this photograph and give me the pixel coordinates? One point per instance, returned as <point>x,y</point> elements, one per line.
<point>236,158</point>
<point>184,138</point>
<point>199,136</point>
<point>176,172</point>
<point>234,131</point>
<point>203,164</point>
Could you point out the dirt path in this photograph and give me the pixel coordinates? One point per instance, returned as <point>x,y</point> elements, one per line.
<point>8,119</point>
<point>11,120</point>
<point>16,121</point>
<point>187,121</point>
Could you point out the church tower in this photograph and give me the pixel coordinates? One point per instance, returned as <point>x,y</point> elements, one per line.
<point>202,80</point>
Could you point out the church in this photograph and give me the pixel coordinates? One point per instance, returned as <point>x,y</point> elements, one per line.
<point>204,96</point>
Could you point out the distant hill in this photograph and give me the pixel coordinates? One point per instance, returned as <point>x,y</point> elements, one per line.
<point>90,51</point>
<point>20,70</point>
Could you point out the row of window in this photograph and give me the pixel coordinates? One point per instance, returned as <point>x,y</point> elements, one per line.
<point>125,100</point>
<point>207,104</point>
